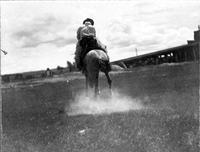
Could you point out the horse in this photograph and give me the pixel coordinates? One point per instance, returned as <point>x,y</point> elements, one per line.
<point>95,61</point>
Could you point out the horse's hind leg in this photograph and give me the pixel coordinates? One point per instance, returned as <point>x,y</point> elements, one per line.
<point>97,92</point>
<point>86,84</point>
<point>109,81</point>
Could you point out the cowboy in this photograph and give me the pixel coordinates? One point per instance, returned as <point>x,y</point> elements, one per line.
<point>84,32</point>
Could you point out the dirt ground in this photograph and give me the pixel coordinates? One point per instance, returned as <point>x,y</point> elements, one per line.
<point>156,109</point>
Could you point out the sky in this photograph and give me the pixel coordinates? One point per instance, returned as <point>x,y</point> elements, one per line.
<point>42,34</point>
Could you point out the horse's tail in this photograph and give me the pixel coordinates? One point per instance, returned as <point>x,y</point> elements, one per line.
<point>104,65</point>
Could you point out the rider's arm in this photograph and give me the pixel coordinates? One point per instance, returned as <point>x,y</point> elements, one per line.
<point>78,36</point>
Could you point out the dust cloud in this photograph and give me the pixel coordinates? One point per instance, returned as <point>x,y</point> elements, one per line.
<point>102,105</point>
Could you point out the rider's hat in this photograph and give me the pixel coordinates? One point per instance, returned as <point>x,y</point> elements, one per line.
<point>88,20</point>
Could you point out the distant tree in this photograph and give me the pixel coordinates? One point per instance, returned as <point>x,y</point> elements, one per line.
<point>70,66</point>
<point>60,69</point>
<point>74,66</point>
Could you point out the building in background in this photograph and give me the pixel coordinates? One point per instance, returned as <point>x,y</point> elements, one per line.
<point>184,53</point>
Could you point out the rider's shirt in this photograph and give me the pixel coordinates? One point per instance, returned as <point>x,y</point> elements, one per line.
<point>86,31</point>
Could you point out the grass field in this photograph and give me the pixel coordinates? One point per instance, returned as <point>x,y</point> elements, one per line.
<point>153,109</point>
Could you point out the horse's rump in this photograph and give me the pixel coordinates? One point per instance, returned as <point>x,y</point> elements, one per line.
<point>97,54</point>
<point>99,59</point>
